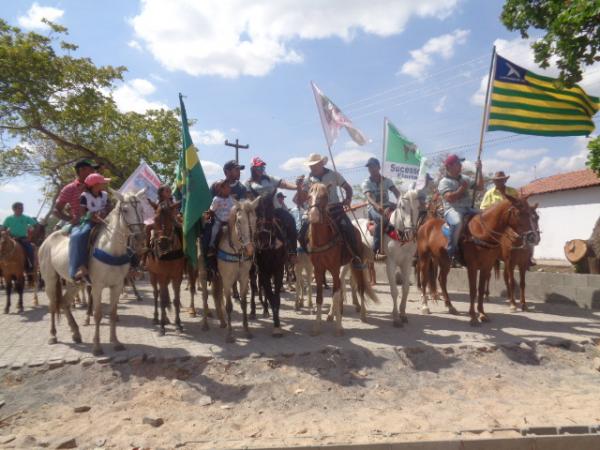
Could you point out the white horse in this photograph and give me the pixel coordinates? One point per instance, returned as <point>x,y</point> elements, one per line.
<point>400,250</point>
<point>234,259</point>
<point>118,239</point>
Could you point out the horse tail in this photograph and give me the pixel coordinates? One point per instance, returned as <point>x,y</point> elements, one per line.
<point>497,269</point>
<point>361,275</point>
<point>56,300</point>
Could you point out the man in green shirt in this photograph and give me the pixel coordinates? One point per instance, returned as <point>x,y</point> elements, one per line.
<point>18,226</point>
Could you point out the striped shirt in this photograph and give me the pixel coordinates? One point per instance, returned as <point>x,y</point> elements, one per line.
<point>70,195</point>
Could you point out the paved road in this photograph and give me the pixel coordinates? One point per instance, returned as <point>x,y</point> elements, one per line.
<point>23,338</point>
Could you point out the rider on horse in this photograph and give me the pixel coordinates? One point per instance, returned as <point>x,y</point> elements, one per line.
<point>19,226</point>
<point>70,194</point>
<point>454,189</point>
<point>320,174</point>
<point>262,184</point>
<point>378,207</point>
<point>498,192</point>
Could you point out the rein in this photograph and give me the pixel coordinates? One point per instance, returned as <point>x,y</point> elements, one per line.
<point>131,226</point>
<point>240,255</point>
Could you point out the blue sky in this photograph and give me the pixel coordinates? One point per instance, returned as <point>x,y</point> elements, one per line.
<point>245,68</point>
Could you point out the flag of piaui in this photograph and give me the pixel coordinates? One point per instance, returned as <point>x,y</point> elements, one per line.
<point>192,185</point>
<point>402,159</point>
<point>527,103</point>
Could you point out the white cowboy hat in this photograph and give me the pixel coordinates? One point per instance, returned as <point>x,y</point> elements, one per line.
<point>315,158</point>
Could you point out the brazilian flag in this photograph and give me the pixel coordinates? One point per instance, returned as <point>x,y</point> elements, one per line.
<point>193,189</point>
<point>527,103</point>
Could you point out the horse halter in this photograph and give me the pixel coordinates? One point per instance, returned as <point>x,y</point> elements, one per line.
<point>135,228</point>
<point>407,233</point>
<point>238,231</point>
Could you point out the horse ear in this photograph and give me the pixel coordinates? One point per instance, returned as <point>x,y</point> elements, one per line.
<point>141,192</point>
<point>116,194</point>
<point>254,203</point>
<point>236,203</point>
<point>535,206</point>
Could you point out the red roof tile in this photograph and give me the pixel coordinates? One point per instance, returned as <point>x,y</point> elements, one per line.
<point>562,182</point>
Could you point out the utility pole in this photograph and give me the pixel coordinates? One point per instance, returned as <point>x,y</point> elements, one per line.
<point>237,147</point>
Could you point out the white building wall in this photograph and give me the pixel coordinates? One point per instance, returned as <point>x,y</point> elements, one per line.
<point>565,215</point>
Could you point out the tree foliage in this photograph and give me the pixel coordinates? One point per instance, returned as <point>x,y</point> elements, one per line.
<point>56,108</point>
<point>572,37</point>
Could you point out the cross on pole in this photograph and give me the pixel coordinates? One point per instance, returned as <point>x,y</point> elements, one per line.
<point>237,146</point>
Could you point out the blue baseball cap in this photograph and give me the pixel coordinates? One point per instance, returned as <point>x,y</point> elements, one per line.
<point>373,162</point>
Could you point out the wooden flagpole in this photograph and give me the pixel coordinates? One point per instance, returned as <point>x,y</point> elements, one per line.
<point>381,246</point>
<point>486,109</point>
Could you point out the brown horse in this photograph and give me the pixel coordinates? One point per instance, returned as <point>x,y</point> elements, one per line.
<point>480,245</point>
<point>329,252</point>
<point>166,265</point>
<point>12,265</point>
<point>518,253</point>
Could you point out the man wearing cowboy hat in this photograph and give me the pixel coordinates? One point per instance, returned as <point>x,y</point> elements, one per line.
<point>332,179</point>
<point>498,192</point>
<point>454,189</point>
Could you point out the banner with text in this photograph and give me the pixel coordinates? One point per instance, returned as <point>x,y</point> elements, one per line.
<point>143,177</point>
<point>402,160</point>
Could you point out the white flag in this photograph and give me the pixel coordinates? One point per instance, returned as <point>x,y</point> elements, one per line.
<point>333,119</point>
<point>143,177</point>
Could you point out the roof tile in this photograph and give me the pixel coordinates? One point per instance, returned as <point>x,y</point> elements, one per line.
<point>562,182</point>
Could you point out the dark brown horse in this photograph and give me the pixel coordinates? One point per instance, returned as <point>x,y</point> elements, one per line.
<point>480,245</point>
<point>12,266</point>
<point>166,265</point>
<point>329,252</point>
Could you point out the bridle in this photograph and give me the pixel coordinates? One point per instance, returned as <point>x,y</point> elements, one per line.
<point>135,228</point>
<point>510,232</point>
<point>235,227</point>
<point>405,234</point>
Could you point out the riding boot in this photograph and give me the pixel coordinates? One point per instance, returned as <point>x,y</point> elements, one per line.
<point>348,234</point>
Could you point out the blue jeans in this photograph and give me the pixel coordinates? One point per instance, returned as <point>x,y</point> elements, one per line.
<point>28,248</point>
<point>455,219</point>
<point>216,226</point>
<point>376,217</point>
<point>78,247</point>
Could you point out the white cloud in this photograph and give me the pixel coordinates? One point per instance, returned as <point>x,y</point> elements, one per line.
<point>4,213</point>
<point>211,169</point>
<point>295,164</point>
<point>208,137</point>
<point>520,52</point>
<point>441,104</point>
<point>352,158</point>
<point>521,154</point>
<point>35,14</point>
<point>135,44</point>
<point>131,96</point>
<point>422,58</point>
<point>11,188</point>
<point>230,38</point>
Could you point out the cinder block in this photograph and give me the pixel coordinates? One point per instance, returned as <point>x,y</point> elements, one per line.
<point>560,294</point>
<point>587,297</point>
<point>593,281</point>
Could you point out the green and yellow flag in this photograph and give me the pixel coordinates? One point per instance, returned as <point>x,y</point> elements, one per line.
<point>193,189</point>
<point>526,103</point>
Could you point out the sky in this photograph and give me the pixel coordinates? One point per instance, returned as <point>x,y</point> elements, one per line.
<point>245,67</point>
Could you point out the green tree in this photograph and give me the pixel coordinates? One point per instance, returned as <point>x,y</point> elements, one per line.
<point>572,36</point>
<point>56,108</point>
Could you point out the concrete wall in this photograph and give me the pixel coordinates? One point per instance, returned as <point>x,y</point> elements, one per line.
<point>567,288</point>
<point>565,215</point>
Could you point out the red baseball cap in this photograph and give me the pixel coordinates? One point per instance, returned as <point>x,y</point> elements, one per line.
<point>452,159</point>
<point>257,162</point>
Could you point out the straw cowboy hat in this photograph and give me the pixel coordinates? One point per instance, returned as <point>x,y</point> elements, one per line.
<point>500,176</point>
<point>315,158</point>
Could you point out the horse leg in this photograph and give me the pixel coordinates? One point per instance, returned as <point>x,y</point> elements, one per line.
<point>443,279</point>
<point>472,274</point>
<point>20,285</point>
<point>97,302</point>
<point>164,302</point>
<point>510,284</point>
<point>154,282</point>
<point>337,301</point>
<point>90,306</point>
<point>205,311</point>
<point>192,275</point>
<point>390,267</point>
<point>229,308</point>
<point>264,301</point>
<point>299,303</point>
<point>115,292</point>
<point>354,289</point>
<point>309,277</point>
<point>522,273</point>
<point>66,305</point>
<point>36,282</point>
<point>484,277</point>
<point>253,289</point>
<point>8,293</point>
<point>405,288</point>
<point>276,302</point>
<point>423,264</point>
<point>177,300</point>
<point>138,297</point>
<point>319,277</point>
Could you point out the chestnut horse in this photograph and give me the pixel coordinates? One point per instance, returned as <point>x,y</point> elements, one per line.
<point>328,252</point>
<point>480,245</point>
<point>166,265</point>
<point>12,264</point>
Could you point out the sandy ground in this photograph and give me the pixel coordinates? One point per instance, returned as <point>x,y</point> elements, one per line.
<point>424,384</point>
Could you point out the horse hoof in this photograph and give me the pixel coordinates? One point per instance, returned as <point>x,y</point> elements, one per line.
<point>118,347</point>
<point>363,319</point>
<point>86,322</point>
<point>192,313</point>
<point>483,318</point>
<point>77,338</point>
<point>97,351</point>
<point>155,321</point>
<point>474,322</point>
<point>329,318</point>
<point>397,323</point>
<point>277,333</point>
<point>52,340</point>
<point>339,333</point>
<point>357,308</point>
<point>266,314</point>
<point>404,318</point>
<point>252,316</point>
<point>5,310</point>
<point>524,308</point>
<point>180,328</point>
<point>162,332</point>
<point>513,308</point>
<point>230,339</point>
<point>452,310</point>
<point>426,310</point>
<point>20,310</point>
<point>209,314</point>
<point>223,325</point>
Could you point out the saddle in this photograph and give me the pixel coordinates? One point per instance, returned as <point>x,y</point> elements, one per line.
<point>372,226</point>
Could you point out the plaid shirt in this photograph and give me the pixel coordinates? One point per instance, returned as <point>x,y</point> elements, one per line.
<point>70,195</point>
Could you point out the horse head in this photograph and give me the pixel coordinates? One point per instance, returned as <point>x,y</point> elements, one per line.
<point>523,220</point>
<point>129,220</point>
<point>6,244</point>
<point>406,215</point>
<point>318,197</point>
<point>242,223</point>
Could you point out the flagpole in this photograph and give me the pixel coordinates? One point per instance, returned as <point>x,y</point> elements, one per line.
<point>484,121</point>
<point>381,246</point>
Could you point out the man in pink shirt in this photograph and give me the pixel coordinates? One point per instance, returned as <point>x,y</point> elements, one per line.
<point>69,195</point>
